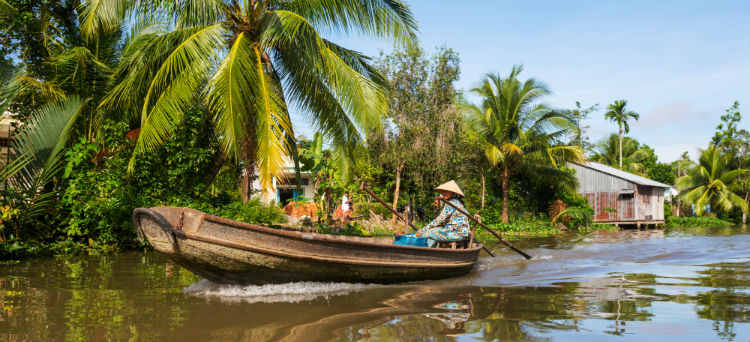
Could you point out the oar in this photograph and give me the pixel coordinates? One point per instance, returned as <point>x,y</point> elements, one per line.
<point>362,186</point>
<point>487,229</point>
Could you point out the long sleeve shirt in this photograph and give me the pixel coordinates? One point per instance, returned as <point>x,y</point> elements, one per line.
<point>449,225</point>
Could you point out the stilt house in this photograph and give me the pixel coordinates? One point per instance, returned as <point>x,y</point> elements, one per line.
<point>619,197</point>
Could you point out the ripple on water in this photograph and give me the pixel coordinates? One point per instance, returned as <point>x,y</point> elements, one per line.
<point>271,293</point>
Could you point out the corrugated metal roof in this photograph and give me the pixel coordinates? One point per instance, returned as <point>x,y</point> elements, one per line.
<point>624,175</point>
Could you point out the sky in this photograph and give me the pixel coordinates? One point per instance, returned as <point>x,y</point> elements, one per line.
<point>679,64</point>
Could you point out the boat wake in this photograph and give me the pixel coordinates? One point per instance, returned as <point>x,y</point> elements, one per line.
<point>271,293</point>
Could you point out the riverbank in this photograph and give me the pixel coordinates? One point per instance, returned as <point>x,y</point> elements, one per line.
<point>14,249</point>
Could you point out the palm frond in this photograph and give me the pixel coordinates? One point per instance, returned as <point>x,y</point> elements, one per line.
<point>101,16</point>
<point>43,136</point>
<point>6,8</point>
<point>174,86</point>
<point>387,19</point>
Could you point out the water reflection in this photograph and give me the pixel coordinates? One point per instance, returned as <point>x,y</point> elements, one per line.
<point>651,285</point>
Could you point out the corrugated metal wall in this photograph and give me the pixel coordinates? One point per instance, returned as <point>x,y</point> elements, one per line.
<point>595,181</point>
<point>630,201</point>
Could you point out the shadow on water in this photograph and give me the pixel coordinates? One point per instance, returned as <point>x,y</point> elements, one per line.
<point>688,284</point>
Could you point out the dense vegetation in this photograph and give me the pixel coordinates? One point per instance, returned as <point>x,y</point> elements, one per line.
<point>128,104</point>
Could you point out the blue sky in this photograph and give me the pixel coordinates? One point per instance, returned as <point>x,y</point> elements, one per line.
<point>679,64</point>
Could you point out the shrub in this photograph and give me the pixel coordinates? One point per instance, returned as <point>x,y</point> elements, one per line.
<point>364,208</point>
<point>698,221</point>
<point>252,212</point>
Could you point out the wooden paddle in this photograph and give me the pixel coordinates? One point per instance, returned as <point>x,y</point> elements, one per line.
<point>362,186</point>
<point>487,229</point>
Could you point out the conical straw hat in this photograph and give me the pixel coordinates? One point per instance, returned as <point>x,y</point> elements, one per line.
<point>452,187</point>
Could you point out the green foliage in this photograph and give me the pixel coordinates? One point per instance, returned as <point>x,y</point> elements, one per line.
<point>578,136</point>
<point>424,139</point>
<point>701,221</point>
<point>635,157</point>
<point>616,112</point>
<point>710,183</point>
<point>579,216</point>
<point>15,249</point>
<point>251,212</point>
<point>29,182</point>
<point>348,229</point>
<point>170,176</point>
<point>364,208</point>
<point>734,142</point>
<point>515,132</point>
<point>524,227</point>
<point>664,173</point>
<point>276,56</point>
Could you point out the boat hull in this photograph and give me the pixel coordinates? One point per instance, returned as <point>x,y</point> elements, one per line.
<point>227,251</point>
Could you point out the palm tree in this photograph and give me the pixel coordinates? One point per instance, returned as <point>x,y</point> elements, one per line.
<point>37,157</point>
<point>710,183</point>
<point>616,112</point>
<point>682,165</point>
<point>247,60</point>
<point>633,154</point>
<point>515,132</point>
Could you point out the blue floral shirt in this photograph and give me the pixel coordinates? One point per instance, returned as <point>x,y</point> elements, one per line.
<point>449,225</point>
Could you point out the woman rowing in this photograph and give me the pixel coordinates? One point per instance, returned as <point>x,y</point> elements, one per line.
<point>450,225</point>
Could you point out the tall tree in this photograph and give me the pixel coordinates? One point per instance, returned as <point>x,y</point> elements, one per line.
<point>247,60</point>
<point>518,133</point>
<point>732,140</point>
<point>681,166</point>
<point>419,139</point>
<point>709,183</point>
<point>579,115</point>
<point>616,112</point>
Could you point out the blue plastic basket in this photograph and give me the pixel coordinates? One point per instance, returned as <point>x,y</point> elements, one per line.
<point>410,240</point>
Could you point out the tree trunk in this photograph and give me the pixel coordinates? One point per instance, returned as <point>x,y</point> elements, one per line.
<point>246,184</point>
<point>316,185</point>
<point>216,163</point>
<point>504,177</point>
<point>297,171</point>
<point>620,147</point>
<point>398,185</point>
<point>248,175</point>
<point>744,214</point>
<point>481,175</point>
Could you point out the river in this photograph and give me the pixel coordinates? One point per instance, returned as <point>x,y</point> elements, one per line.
<point>684,284</point>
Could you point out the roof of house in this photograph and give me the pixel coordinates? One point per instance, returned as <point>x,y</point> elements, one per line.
<point>624,175</point>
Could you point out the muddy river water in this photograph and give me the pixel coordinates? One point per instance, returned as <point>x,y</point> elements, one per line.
<point>684,284</point>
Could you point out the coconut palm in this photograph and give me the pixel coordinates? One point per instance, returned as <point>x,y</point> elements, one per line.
<point>247,60</point>
<point>516,132</point>
<point>616,112</point>
<point>633,154</point>
<point>710,183</point>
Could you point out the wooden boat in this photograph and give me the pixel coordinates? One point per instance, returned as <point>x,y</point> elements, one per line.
<point>227,251</point>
